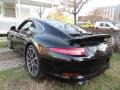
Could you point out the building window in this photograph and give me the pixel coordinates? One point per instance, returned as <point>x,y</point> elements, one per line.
<point>9,9</point>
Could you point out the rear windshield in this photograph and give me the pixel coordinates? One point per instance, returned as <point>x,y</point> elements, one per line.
<point>66,27</point>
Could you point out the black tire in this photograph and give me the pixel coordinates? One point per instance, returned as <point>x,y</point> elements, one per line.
<point>97,28</point>
<point>9,43</point>
<point>32,62</point>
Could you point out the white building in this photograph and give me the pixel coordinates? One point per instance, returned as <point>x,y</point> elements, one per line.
<point>14,11</point>
<point>112,13</point>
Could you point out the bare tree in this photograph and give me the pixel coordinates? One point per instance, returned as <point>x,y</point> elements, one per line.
<point>73,7</point>
<point>96,14</point>
<point>40,10</point>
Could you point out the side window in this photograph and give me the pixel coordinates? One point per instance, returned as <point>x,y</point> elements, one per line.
<point>107,25</point>
<point>85,24</point>
<point>26,27</point>
<point>40,27</point>
<point>101,24</point>
<point>9,9</point>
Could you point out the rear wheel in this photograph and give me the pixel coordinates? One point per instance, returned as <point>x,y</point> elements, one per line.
<point>32,59</point>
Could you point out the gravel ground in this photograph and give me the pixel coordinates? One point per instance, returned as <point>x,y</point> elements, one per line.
<point>8,54</point>
<point>10,59</point>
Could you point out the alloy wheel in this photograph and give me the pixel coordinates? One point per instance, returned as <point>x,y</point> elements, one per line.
<point>32,61</point>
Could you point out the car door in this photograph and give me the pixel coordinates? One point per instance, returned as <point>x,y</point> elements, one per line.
<point>21,36</point>
<point>107,26</point>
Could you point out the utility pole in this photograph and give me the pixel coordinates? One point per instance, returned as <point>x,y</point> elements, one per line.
<point>19,9</point>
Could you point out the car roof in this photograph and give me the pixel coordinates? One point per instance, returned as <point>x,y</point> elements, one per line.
<point>103,22</point>
<point>36,19</point>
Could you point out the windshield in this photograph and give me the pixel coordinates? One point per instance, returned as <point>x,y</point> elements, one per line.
<point>66,27</point>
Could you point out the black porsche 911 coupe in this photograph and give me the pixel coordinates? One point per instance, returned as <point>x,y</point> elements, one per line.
<point>60,49</point>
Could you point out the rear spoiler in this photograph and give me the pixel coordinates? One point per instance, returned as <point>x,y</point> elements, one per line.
<point>98,37</point>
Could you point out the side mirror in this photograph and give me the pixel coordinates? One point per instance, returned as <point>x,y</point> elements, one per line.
<point>13,28</point>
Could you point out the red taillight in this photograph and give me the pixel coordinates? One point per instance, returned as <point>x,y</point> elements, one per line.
<point>69,51</point>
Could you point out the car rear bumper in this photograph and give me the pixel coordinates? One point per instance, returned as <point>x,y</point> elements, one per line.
<point>82,78</point>
<point>79,69</point>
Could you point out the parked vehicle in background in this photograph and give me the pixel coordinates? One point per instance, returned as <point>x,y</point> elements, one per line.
<point>106,25</point>
<point>87,25</point>
<point>80,23</point>
<point>117,25</point>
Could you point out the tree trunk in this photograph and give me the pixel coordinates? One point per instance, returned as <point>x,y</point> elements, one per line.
<point>75,18</point>
<point>40,12</point>
<point>75,12</point>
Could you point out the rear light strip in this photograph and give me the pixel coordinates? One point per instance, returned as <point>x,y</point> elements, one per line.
<point>69,51</point>
<point>71,74</point>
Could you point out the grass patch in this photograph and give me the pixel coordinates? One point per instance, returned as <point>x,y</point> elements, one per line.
<point>18,79</point>
<point>116,56</point>
<point>13,74</point>
<point>3,43</point>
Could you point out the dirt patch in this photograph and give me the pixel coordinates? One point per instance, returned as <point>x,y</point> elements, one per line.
<point>10,59</point>
<point>9,55</point>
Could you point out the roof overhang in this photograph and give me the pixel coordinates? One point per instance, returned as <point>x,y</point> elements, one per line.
<point>43,3</point>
